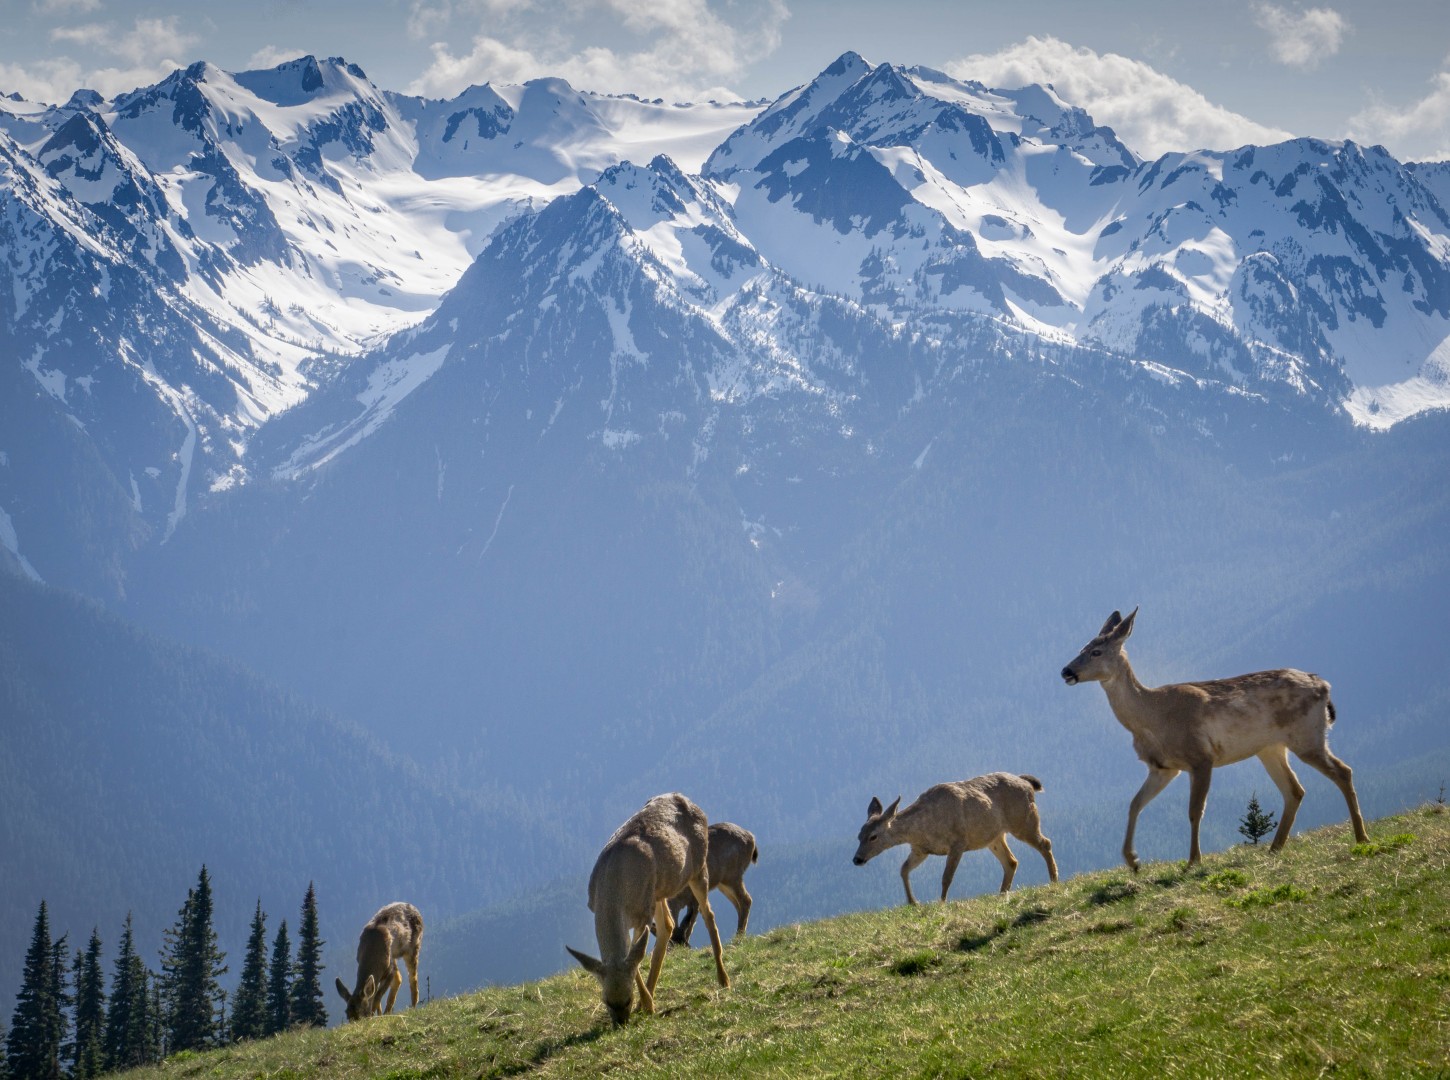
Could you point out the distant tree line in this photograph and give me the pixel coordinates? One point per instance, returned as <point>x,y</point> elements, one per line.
<point>66,1023</point>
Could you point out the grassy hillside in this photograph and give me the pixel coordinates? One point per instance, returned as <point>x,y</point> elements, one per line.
<point>1329,957</point>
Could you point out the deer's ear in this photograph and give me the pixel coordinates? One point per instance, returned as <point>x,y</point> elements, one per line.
<point>636,954</point>
<point>874,807</point>
<point>370,987</point>
<point>1126,626</point>
<point>891,810</point>
<point>346,996</point>
<point>587,962</point>
<point>1113,620</point>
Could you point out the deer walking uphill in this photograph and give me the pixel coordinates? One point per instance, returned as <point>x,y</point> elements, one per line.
<point>394,933</point>
<point>1196,727</point>
<point>953,818</point>
<point>662,849</point>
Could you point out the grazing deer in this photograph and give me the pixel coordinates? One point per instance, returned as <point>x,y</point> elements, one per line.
<point>662,849</point>
<point>394,933</point>
<point>1195,727</point>
<point>732,852</point>
<point>949,819</point>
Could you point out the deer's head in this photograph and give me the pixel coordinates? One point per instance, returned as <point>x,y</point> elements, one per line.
<point>359,1004</point>
<point>1101,658</point>
<point>874,836</point>
<point>615,979</point>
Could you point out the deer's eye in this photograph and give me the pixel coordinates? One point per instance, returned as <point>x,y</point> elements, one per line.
<point>1097,652</point>
<point>872,838</point>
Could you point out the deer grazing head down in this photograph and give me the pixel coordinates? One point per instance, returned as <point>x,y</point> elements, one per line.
<point>394,933</point>
<point>617,978</point>
<point>659,851</point>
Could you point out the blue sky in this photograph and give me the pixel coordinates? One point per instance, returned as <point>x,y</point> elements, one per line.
<point>1167,75</point>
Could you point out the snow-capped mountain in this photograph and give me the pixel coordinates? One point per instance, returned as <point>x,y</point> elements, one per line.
<point>220,250</point>
<point>188,260</point>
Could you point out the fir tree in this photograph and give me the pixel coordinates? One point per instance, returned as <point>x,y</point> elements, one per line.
<point>191,964</point>
<point>279,984</point>
<point>59,965</point>
<point>1256,824</point>
<point>88,1056</point>
<point>249,1008</point>
<point>126,1020</point>
<point>308,1009</point>
<point>32,1048</point>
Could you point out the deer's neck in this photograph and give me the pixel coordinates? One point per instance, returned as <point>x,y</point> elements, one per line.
<point>611,930</point>
<point>1130,699</point>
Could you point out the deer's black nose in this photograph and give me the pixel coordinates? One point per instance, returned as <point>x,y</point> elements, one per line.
<point>1068,675</point>
<point>859,861</point>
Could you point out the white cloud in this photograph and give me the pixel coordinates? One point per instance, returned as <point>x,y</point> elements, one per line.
<point>1304,38</point>
<point>669,48</point>
<point>1418,132</point>
<point>147,51</point>
<point>269,56</point>
<point>1151,112</point>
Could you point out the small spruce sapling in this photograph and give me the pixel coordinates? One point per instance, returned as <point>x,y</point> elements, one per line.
<point>1256,823</point>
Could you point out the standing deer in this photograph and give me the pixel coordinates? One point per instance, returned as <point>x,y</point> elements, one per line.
<point>662,849</point>
<point>1198,726</point>
<point>394,933</point>
<point>949,819</point>
<point>732,852</point>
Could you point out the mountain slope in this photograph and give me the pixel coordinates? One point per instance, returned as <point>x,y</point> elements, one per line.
<point>1285,965</point>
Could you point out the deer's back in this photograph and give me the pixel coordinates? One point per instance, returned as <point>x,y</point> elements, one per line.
<point>971,813</point>
<point>731,851</point>
<point>1232,719</point>
<point>390,933</point>
<point>651,856</point>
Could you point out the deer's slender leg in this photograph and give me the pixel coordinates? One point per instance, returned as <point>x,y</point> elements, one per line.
<point>1031,833</point>
<point>1158,779</point>
<point>1199,780</point>
<point>953,857</point>
<point>664,927</point>
<point>1343,777</point>
<point>702,897</point>
<point>915,859</point>
<point>999,848</point>
<point>394,982</point>
<point>1276,764</point>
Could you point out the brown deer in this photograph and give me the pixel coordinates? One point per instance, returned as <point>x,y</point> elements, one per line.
<point>732,852</point>
<point>662,849</point>
<point>949,819</point>
<point>394,933</point>
<point>1196,727</point>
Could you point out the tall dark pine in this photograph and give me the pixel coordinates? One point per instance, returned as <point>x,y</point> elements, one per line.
<point>37,1027</point>
<point>191,965</point>
<point>308,1009</point>
<point>88,1056</point>
<point>249,1007</point>
<point>279,984</point>
<point>127,1037</point>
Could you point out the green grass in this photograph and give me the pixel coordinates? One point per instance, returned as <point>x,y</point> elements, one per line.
<point>1318,960</point>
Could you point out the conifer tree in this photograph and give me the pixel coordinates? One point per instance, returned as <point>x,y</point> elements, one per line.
<point>37,1027</point>
<point>59,969</point>
<point>1256,824</point>
<point>127,1037</point>
<point>191,964</point>
<point>249,1008</point>
<point>279,984</point>
<point>88,1057</point>
<point>308,1009</point>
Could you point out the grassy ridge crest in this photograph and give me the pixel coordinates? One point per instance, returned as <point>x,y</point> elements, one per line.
<point>1328,957</point>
